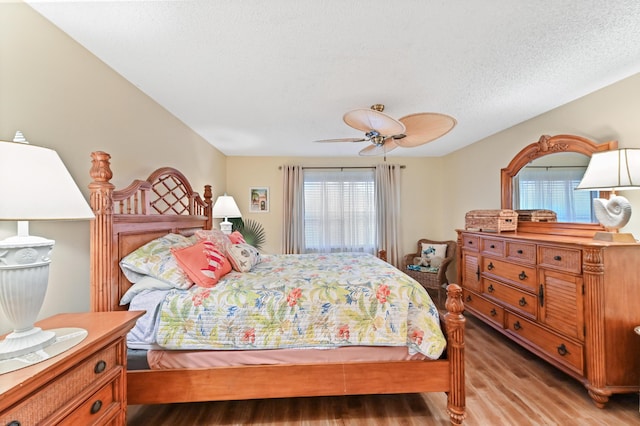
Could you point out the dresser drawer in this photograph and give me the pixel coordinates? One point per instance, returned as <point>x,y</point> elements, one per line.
<point>98,408</point>
<point>559,348</point>
<point>521,252</point>
<point>63,388</point>
<point>520,275</point>
<point>471,242</point>
<point>489,310</point>
<point>512,297</point>
<point>491,246</point>
<point>560,258</point>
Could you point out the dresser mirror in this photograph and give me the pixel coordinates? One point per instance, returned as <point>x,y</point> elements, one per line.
<point>551,151</point>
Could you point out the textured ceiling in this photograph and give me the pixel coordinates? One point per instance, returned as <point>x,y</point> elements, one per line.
<point>266,78</point>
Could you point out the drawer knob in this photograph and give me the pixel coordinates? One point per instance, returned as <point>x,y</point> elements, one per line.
<point>558,258</point>
<point>523,276</point>
<point>470,242</point>
<point>492,246</point>
<point>493,312</point>
<point>516,325</point>
<point>520,252</point>
<point>490,266</point>
<point>96,406</point>
<point>490,289</point>
<point>522,301</point>
<point>14,423</point>
<point>562,350</point>
<point>468,299</point>
<point>100,367</point>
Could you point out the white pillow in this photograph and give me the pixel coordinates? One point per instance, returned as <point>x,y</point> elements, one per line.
<point>429,251</point>
<point>145,283</point>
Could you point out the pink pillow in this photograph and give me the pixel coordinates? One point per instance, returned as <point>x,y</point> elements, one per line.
<point>236,238</point>
<point>202,263</point>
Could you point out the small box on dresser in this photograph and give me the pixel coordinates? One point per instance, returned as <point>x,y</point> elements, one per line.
<point>83,385</point>
<point>537,215</point>
<point>491,220</point>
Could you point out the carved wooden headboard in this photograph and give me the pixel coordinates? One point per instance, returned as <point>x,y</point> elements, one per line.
<point>128,218</point>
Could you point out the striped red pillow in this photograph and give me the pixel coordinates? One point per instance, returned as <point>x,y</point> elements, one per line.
<point>203,263</point>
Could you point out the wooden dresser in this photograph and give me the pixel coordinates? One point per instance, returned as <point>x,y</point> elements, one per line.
<point>571,300</point>
<point>85,385</point>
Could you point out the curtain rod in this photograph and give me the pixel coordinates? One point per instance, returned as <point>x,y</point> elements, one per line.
<point>340,168</point>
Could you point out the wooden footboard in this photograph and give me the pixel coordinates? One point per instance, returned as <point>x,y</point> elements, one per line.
<point>280,381</point>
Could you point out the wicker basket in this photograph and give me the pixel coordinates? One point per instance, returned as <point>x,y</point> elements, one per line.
<point>537,216</point>
<point>491,220</point>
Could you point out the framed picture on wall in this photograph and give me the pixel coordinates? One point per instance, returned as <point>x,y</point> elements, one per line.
<point>259,199</point>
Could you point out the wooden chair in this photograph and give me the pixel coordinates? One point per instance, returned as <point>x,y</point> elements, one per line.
<point>431,280</point>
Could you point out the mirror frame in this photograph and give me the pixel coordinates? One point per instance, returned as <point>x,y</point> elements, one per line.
<point>547,145</point>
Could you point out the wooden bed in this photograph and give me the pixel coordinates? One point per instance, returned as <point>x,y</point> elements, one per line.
<point>165,202</point>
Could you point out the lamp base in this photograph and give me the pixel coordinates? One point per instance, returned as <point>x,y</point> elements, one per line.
<point>226,226</point>
<point>614,237</point>
<point>24,273</point>
<point>21,343</point>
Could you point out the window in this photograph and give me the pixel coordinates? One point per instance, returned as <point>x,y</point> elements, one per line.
<point>553,188</point>
<point>339,210</point>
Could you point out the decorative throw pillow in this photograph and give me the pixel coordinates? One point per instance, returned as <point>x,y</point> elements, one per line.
<point>219,239</point>
<point>155,259</point>
<point>202,263</point>
<point>243,256</point>
<point>429,251</point>
<point>236,238</point>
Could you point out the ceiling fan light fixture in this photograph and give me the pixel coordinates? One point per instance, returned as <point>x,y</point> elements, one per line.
<point>386,133</point>
<point>379,149</point>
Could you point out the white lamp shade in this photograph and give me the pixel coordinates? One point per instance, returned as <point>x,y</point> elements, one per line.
<point>35,185</point>
<point>613,170</point>
<point>225,206</point>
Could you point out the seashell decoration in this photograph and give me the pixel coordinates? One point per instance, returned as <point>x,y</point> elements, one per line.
<point>613,213</point>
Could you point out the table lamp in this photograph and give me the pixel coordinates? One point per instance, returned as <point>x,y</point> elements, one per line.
<point>225,207</point>
<point>34,185</point>
<point>618,169</point>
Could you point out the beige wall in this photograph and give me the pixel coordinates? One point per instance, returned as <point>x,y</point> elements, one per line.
<point>62,97</point>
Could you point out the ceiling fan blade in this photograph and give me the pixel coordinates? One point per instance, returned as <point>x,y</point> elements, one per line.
<point>365,120</point>
<point>388,145</point>
<point>425,127</point>
<point>343,140</point>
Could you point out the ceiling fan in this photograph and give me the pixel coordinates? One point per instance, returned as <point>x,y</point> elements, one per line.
<point>386,133</point>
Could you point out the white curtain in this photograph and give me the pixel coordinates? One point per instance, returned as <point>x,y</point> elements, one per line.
<point>339,210</point>
<point>553,188</point>
<point>293,216</point>
<point>387,177</point>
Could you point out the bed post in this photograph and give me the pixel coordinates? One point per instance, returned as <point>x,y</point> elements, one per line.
<point>101,231</point>
<point>208,199</point>
<point>455,322</point>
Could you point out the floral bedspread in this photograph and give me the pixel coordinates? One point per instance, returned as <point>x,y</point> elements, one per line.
<point>304,301</point>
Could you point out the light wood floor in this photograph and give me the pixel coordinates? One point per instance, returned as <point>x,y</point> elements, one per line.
<point>506,385</point>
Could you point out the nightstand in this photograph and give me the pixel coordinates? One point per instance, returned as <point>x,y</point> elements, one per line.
<point>84,385</point>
